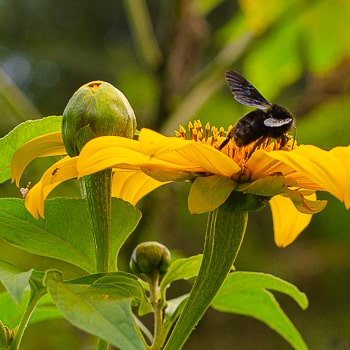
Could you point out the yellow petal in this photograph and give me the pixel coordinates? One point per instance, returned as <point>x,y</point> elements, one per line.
<point>42,146</point>
<point>64,169</point>
<point>326,169</point>
<point>155,144</point>
<point>209,158</point>
<point>154,151</point>
<point>132,186</point>
<point>150,145</point>
<point>102,142</point>
<point>185,152</point>
<point>343,153</point>
<point>94,159</point>
<point>261,164</point>
<point>288,222</point>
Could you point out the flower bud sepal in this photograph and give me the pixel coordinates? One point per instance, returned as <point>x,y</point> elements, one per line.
<point>96,109</point>
<point>150,259</point>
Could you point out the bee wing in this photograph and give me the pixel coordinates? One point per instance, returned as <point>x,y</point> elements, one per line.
<point>244,92</point>
<point>275,123</point>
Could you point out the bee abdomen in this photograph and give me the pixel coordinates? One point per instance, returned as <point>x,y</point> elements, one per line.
<point>249,128</point>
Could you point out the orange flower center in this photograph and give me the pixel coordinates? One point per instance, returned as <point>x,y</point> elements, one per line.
<point>214,137</point>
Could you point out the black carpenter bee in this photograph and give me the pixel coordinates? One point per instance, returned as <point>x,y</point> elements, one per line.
<point>267,121</point>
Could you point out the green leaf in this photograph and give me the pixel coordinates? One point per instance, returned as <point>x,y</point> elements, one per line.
<point>184,268</point>
<point>66,231</point>
<point>101,310</point>
<point>64,234</point>
<point>11,312</point>
<point>20,135</point>
<point>268,186</point>
<point>14,280</point>
<point>245,293</point>
<point>238,281</point>
<point>128,284</point>
<point>125,219</point>
<point>208,193</point>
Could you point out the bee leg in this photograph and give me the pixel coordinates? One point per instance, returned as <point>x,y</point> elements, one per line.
<point>294,136</point>
<point>228,138</point>
<point>224,143</point>
<point>284,140</point>
<point>256,145</point>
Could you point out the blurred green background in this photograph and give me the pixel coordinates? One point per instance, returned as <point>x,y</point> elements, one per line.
<point>169,59</point>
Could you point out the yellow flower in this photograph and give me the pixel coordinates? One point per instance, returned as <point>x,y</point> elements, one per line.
<point>288,178</point>
<point>128,185</point>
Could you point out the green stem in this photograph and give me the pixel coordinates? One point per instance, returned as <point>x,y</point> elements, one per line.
<point>225,231</point>
<point>98,191</point>
<point>158,312</point>
<point>34,298</point>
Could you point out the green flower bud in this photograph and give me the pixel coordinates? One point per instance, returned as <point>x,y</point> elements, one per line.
<point>96,109</point>
<point>149,258</point>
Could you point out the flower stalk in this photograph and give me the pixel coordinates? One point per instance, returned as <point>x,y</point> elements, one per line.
<point>98,192</point>
<point>225,231</point>
<point>158,305</point>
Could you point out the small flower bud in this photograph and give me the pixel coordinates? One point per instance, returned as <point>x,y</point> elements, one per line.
<point>96,109</point>
<point>149,258</point>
